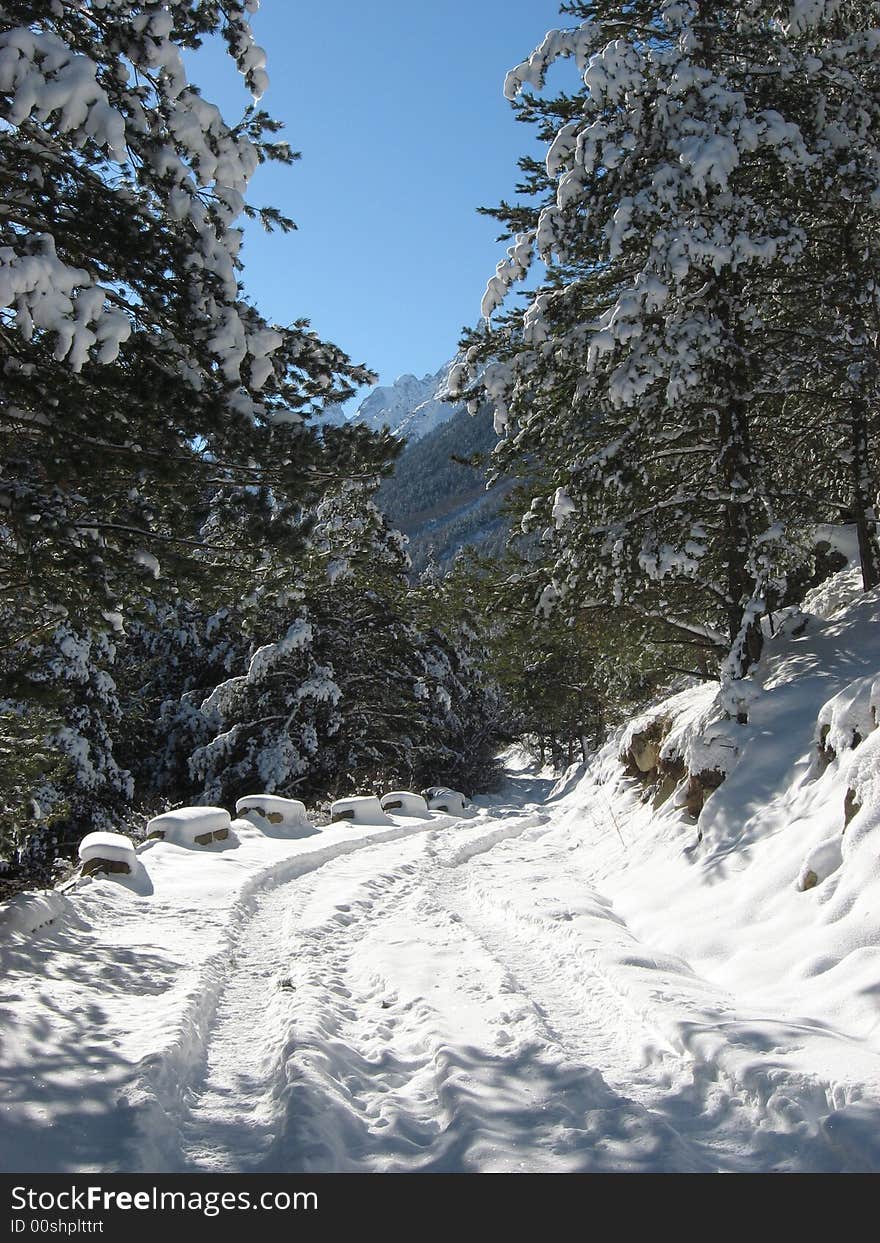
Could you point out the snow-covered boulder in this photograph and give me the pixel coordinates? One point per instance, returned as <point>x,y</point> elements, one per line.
<point>847,718</point>
<point>820,862</point>
<point>191,826</point>
<point>107,852</point>
<point>404,803</point>
<point>441,798</point>
<point>361,810</point>
<point>272,809</point>
<point>283,817</point>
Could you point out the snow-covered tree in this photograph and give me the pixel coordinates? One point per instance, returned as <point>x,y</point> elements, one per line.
<point>136,379</point>
<point>344,685</point>
<point>155,431</point>
<point>673,207</point>
<point>823,315</point>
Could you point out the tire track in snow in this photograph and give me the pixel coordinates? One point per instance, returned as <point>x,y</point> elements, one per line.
<point>282,973</point>
<point>736,1119</point>
<point>581,1018</point>
<point>395,1009</point>
<point>365,1067</point>
<point>284,970</point>
<point>161,1097</point>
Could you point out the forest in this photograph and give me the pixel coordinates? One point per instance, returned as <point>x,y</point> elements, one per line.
<point>201,594</point>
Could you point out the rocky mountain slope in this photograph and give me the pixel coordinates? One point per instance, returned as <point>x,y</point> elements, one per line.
<point>437,500</point>
<point>441,503</point>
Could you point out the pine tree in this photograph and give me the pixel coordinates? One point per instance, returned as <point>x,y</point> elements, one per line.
<point>823,315</point>
<point>136,378</point>
<point>155,430</point>
<point>346,685</point>
<point>673,208</point>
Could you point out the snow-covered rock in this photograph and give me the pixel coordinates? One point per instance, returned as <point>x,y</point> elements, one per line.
<point>441,798</point>
<point>191,826</point>
<point>275,815</point>
<point>271,808</point>
<point>847,718</point>
<point>112,852</point>
<point>404,803</point>
<point>361,810</point>
<point>820,862</point>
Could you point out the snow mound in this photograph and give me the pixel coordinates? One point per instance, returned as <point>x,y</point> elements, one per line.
<point>850,715</point>
<point>441,798</point>
<point>821,862</point>
<point>28,913</point>
<point>826,600</point>
<point>108,848</point>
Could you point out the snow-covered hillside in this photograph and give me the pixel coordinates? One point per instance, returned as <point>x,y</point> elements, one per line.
<point>410,407</point>
<point>589,973</point>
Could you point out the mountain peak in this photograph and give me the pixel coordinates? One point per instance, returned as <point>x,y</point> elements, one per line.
<point>409,408</point>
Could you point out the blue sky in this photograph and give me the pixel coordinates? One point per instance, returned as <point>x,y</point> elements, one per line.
<point>399,114</point>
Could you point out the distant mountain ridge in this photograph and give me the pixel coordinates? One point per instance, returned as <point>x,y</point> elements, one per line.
<point>410,407</point>
<point>441,504</point>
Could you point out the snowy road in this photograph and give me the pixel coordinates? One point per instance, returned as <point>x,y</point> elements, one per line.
<point>441,997</point>
<point>436,1003</point>
<point>384,1013</point>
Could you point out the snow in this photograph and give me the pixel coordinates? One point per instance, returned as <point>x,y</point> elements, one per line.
<point>568,979</point>
<point>32,912</point>
<point>514,268</point>
<point>410,407</point>
<point>441,798</point>
<point>47,79</point>
<point>290,810</point>
<point>272,814</point>
<point>563,506</point>
<point>128,106</point>
<point>49,295</point>
<point>576,43</point>
<point>148,562</point>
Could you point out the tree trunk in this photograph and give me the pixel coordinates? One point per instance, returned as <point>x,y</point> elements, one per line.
<point>736,470</point>
<point>861,475</point>
<point>864,514</point>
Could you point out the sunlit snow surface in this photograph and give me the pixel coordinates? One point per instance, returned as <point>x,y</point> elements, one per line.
<point>565,980</point>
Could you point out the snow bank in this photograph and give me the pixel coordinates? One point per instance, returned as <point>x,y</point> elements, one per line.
<point>771,891</point>
<point>28,913</point>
